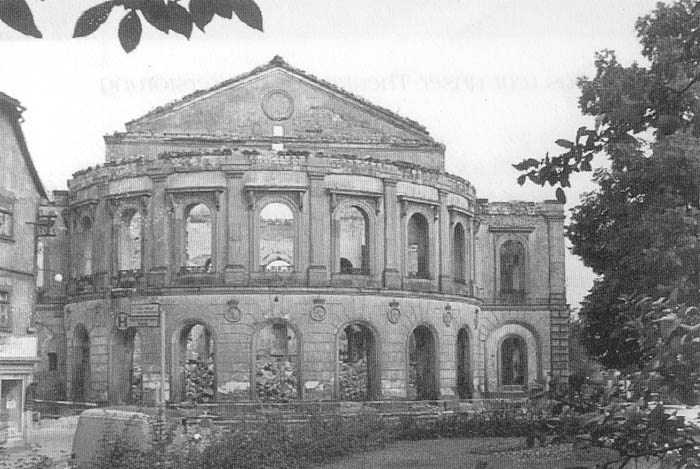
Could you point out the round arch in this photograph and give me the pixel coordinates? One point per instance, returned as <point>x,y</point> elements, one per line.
<point>464,361</point>
<point>371,233</point>
<point>522,240</point>
<point>459,250</point>
<point>260,237</point>
<point>371,354</point>
<point>422,362</point>
<point>81,372</point>
<point>277,331</point>
<point>492,351</point>
<point>419,251</point>
<point>205,355</point>
<point>121,227</point>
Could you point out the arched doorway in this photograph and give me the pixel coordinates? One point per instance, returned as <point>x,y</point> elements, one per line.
<point>80,388</point>
<point>276,352</point>
<point>464,375</point>
<point>359,377</point>
<point>514,361</point>
<point>195,373</point>
<point>422,364</point>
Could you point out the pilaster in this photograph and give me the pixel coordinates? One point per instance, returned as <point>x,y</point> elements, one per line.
<point>319,231</point>
<point>392,237</point>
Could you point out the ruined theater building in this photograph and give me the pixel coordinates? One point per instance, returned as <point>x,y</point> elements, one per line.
<point>302,243</point>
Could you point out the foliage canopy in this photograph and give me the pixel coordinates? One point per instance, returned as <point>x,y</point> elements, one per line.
<point>639,229</point>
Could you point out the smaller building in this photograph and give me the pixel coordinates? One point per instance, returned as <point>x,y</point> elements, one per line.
<point>21,193</point>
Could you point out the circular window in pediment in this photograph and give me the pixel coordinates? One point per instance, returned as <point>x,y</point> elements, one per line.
<point>278,105</point>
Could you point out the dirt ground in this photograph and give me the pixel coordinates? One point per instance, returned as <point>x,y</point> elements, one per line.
<point>48,437</point>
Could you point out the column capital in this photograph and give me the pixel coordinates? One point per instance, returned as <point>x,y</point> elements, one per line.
<point>317,176</point>
<point>390,182</point>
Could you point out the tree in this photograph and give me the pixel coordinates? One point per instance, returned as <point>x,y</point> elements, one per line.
<point>639,229</point>
<point>164,15</point>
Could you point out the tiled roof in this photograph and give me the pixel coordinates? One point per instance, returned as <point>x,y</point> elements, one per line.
<point>279,62</point>
<point>15,109</point>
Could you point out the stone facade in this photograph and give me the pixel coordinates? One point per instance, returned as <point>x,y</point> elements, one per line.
<point>185,213</point>
<point>21,193</point>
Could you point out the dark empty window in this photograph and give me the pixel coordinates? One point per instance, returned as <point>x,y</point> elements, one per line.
<point>418,256</point>
<point>53,361</point>
<point>513,361</point>
<point>512,267</point>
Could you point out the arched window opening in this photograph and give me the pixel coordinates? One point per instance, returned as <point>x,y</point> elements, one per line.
<point>512,268</point>
<point>81,364</point>
<point>276,238</point>
<point>513,361</point>
<point>87,246</point>
<point>129,238</point>
<point>276,364</point>
<point>198,236</point>
<point>353,241</point>
<point>422,376</point>
<point>464,379</point>
<point>458,250</point>
<point>196,358</point>
<point>358,364</point>
<point>418,255</point>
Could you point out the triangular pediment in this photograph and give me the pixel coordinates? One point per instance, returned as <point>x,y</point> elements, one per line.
<point>277,98</point>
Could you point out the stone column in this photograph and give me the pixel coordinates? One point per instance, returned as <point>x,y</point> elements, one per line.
<point>158,233</point>
<point>392,237</point>
<point>238,233</point>
<point>444,247</point>
<point>319,230</point>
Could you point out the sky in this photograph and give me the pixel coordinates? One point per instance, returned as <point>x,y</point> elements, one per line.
<point>495,81</point>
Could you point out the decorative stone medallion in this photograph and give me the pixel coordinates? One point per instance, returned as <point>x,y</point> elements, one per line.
<point>278,105</point>
<point>447,316</point>
<point>394,313</point>
<point>318,312</point>
<point>233,312</point>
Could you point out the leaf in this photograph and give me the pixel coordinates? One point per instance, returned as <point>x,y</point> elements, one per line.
<point>157,14</point>
<point>249,13</point>
<point>92,19</point>
<point>180,19</point>
<point>202,12</point>
<point>130,31</point>
<point>18,16</point>
<point>521,179</point>
<point>223,8</point>
<point>561,196</point>
<point>564,143</point>
<point>668,324</point>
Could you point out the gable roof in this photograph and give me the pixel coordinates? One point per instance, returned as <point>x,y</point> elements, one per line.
<point>278,62</point>
<point>14,108</point>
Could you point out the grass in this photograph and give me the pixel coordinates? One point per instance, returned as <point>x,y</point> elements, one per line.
<point>463,453</point>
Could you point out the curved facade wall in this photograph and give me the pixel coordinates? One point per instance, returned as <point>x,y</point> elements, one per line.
<point>310,250</point>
